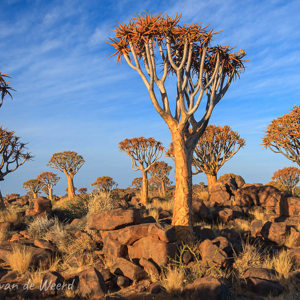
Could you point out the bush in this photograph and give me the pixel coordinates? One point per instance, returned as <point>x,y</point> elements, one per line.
<point>40,226</point>
<point>19,259</point>
<point>101,201</point>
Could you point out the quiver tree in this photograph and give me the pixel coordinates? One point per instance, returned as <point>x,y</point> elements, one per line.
<point>160,172</point>
<point>287,177</point>
<point>104,184</point>
<point>48,180</point>
<point>33,186</point>
<point>4,87</point>
<point>143,153</point>
<point>12,154</point>
<point>283,135</point>
<point>201,71</point>
<point>215,147</point>
<point>68,162</point>
<point>137,182</point>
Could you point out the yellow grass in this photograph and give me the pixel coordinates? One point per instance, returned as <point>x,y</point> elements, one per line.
<point>9,215</point>
<point>163,204</point>
<point>19,259</point>
<point>173,281</point>
<point>3,235</point>
<point>282,263</point>
<point>258,215</point>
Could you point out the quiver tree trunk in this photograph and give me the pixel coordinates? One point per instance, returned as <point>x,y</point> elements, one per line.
<point>71,190</point>
<point>211,180</point>
<point>35,195</point>
<point>163,189</point>
<point>144,191</point>
<point>182,209</point>
<point>50,193</point>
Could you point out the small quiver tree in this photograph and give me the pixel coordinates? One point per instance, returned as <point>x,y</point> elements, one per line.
<point>137,183</point>
<point>160,172</point>
<point>283,135</point>
<point>104,184</point>
<point>4,87</point>
<point>287,177</point>
<point>201,70</point>
<point>48,180</point>
<point>33,186</point>
<point>82,190</point>
<point>215,147</point>
<point>68,162</point>
<point>12,154</point>
<point>143,153</point>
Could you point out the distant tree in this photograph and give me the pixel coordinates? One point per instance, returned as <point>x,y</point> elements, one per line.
<point>82,190</point>
<point>33,186</point>
<point>143,153</point>
<point>184,52</point>
<point>49,180</point>
<point>287,177</point>
<point>137,182</point>
<point>12,154</point>
<point>160,172</point>
<point>283,135</point>
<point>215,147</point>
<point>105,184</point>
<point>4,87</point>
<point>68,162</point>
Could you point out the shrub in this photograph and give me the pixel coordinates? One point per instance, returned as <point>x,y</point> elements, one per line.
<point>101,201</point>
<point>173,280</point>
<point>40,226</point>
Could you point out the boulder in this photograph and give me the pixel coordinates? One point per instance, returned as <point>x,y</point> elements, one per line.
<point>113,248</point>
<point>262,273</point>
<point>290,206</point>
<point>225,214</point>
<point>263,287</point>
<point>256,227</point>
<point>123,281</point>
<point>128,269</point>
<point>163,232</point>
<point>152,248</point>
<point>295,238</point>
<point>113,219</point>
<point>54,281</point>
<point>275,232</point>
<point>207,288</point>
<point>91,284</point>
<point>200,209</point>
<point>6,226</point>
<point>211,254</point>
<point>220,194</point>
<point>149,267</point>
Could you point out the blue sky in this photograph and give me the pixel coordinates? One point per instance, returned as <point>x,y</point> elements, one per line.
<point>70,96</point>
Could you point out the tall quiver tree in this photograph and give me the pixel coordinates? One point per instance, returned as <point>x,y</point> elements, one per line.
<point>12,154</point>
<point>283,135</point>
<point>68,162</point>
<point>48,180</point>
<point>143,153</point>
<point>200,69</point>
<point>215,147</point>
<point>160,172</point>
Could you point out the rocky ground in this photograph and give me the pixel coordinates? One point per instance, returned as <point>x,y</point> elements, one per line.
<point>247,246</point>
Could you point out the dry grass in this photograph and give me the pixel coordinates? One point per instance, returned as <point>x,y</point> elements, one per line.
<point>153,212</point>
<point>289,241</point>
<point>41,226</point>
<point>3,235</point>
<point>282,263</point>
<point>20,259</point>
<point>243,225</point>
<point>162,204</point>
<point>201,195</point>
<point>173,280</point>
<point>257,214</point>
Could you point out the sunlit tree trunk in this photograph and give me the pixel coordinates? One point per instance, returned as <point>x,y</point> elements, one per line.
<point>212,180</point>
<point>183,189</point>
<point>163,189</point>
<point>71,191</point>
<point>50,193</point>
<point>144,192</point>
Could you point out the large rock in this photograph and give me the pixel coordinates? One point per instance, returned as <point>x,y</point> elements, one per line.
<point>114,219</point>
<point>152,248</point>
<point>220,193</point>
<point>207,288</point>
<point>262,273</point>
<point>41,206</point>
<point>275,232</point>
<point>128,269</point>
<point>91,284</point>
<point>211,254</point>
<point>200,209</point>
<point>259,195</point>
<point>290,206</point>
<point>263,287</point>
